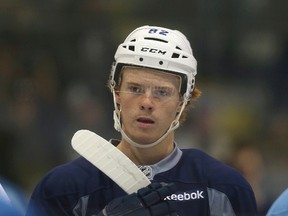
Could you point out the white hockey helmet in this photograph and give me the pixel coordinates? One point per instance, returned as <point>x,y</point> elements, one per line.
<point>158,48</point>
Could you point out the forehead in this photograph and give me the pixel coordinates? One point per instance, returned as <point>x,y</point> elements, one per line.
<point>149,76</point>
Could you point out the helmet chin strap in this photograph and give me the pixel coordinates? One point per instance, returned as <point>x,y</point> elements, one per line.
<point>117,125</point>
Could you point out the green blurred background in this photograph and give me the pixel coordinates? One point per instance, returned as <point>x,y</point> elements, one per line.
<point>55,58</point>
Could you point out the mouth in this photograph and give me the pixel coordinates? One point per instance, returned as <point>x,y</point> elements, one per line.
<point>145,120</point>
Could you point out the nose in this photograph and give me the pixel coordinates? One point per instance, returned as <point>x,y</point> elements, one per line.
<point>146,102</point>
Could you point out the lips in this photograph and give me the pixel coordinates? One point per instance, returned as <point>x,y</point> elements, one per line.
<point>145,120</point>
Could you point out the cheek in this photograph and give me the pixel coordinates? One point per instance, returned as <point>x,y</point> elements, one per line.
<point>170,110</point>
<point>122,102</point>
<point>125,105</point>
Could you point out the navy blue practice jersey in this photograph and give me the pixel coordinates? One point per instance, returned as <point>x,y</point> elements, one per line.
<point>205,186</point>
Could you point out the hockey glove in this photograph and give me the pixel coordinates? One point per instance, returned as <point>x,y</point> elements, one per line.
<point>148,201</point>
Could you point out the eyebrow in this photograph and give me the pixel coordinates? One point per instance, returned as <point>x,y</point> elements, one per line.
<point>133,83</point>
<point>129,83</point>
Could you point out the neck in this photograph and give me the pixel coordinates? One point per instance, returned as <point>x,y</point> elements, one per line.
<point>148,156</point>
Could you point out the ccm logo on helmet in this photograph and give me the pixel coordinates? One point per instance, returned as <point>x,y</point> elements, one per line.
<point>153,50</point>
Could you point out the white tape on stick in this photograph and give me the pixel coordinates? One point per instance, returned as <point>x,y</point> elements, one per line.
<point>109,160</point>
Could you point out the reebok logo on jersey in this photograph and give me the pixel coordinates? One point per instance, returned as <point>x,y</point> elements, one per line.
<point>186,196</point>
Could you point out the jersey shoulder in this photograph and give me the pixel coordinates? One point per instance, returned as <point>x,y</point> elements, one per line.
<point>213,170</point>
<point>70,178</point>
<point>221,181</point>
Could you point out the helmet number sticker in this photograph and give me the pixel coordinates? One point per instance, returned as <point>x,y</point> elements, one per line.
<point>157,31</point>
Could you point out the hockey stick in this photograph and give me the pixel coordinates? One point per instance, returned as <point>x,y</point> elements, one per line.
<point>109,160</point>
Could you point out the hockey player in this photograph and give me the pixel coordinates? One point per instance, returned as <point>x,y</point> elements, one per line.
<point>152,82</point>
<point>280,206</point>
<point>3,195</point>
<point>6,207</point>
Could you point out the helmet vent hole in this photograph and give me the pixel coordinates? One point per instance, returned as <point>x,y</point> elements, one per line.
<point>184,57</point>
<point>175,55</point>
<point>161,62</point>
<point>178,48</point>
<point>156,39</point>
<point>132,48</point>
<point>140,59</point>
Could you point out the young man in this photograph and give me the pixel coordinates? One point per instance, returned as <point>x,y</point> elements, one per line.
<point>152,82</point>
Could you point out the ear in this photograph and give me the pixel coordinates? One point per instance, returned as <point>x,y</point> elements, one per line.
<point>117,98</point>
<point>180,105</point>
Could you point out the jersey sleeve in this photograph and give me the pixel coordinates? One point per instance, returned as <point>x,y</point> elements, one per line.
<point>238,192</point>
<point>232,200</point>
<point>228,191</point>
<point>75,188</point>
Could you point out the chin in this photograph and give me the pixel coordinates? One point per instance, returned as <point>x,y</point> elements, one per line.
<point>143,140</point>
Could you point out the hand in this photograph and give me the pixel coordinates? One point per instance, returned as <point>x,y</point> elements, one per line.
<point>148,201</point>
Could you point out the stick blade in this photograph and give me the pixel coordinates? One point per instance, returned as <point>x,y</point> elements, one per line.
<point>109,160</point>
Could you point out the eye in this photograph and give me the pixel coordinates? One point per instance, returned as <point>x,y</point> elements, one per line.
<point>162,92</point>
<point>136,89</point>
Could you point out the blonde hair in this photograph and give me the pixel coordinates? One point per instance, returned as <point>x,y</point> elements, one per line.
<point>195,95</point>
